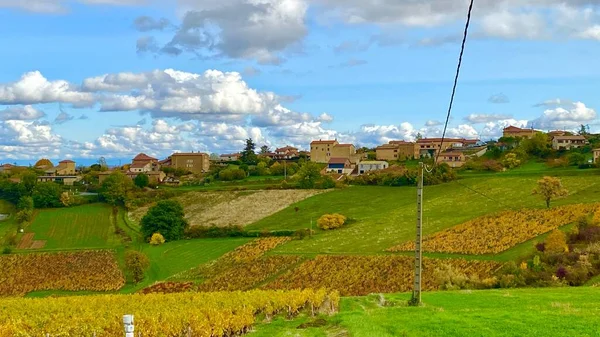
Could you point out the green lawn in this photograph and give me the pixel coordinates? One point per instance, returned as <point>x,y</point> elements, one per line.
<point>175,257</point>
<point>8,225</point>
<point>385,216</point>
<point>553,312</point>
<point>87,226</point>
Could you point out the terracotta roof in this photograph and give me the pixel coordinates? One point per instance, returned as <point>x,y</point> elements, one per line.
<point>138,165</point>
<point>323,141</point>
<point>345,145</point>
<point>143,156</point>
<point>399,142</point>
<point>387,146</point>
<point>339,160</point>
<point>286,148</point>
<point>230,155</point>
<point>66,162</point>
<point>514,128</point>
<point>438,140</point>
<point>570,137</point>
<point>189,154</point>
<point>7,165</point>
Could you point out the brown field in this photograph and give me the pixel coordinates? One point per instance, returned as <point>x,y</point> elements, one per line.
<point>232,208</point>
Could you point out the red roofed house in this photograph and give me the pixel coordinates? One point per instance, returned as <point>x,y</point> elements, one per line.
<point>64,168</point>
<point>514,132</point>
<point>321,151</point>
<point>287,152</point>
<point>452,158</point>
<point>339,165</point>
<point>144,163</point>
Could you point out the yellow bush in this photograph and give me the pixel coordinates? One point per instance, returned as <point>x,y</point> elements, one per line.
<point>157,239</point>
<point>556,242</point>
<point>331,221</point>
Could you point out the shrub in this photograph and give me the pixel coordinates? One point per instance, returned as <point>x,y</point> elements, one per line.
<point>491,165</point>
<point>331,221</point>
<point>556,242</point>
<point>6,250</point>
<point>166,218</point>
<point>157,239</point>
<point>24,215</point>
<point>136,264</point>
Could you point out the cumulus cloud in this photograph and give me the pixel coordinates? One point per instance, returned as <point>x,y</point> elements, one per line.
<point>34,88</point>
<point>23,113</point>
<point>485,118</point>
<point>569,117</point>
<point>251,71</point>
<point>432,122</point>
<point>63,117</point>
<point>20,139</point>
<point>59,6</point>
<point>258,30</point>
<point>494,129</point>
<point>512,25</point>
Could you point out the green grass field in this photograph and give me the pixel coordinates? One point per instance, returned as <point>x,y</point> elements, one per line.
<point>7,225</point>
<point>557,312</point>
<point>87,226</point>
<point>385,216</point>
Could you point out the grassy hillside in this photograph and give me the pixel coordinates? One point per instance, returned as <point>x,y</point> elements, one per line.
<point>523,312</point>
<point>7,225</point>
<point>87,226</point>
<point>385,216</point>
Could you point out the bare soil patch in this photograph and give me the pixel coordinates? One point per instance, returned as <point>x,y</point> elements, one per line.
<point>38,244</point>
<point>26,241</point>
<point>226,208</point>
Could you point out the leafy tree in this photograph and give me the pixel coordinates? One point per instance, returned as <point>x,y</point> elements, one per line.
<point>419,136</point>
<point>115,188</point>
<point>29,179</point>
<point>141,180</point>
<point>166,218</point>
<point>262,169</point>
<point>231,174</point>
<point>11,191</point>
<point>24,215</point>
<point>308,175</point>
<point>26,202</point>
<point>248,156</point>
<point>576,159</point>
<point>538,145</point>
<point>46,195</point>
<point>264,149</point>
<point>66,199</point>
<point>276,169</point>
<point>136,263</point>
<point>583,130</point>
<point>550,188</point>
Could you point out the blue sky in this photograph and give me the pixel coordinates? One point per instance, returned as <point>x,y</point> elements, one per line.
<point>89,78</point>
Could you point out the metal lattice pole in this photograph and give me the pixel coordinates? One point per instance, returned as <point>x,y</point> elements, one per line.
<point>416,296</point>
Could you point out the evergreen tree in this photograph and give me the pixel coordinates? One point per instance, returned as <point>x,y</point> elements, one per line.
<point>248,156</point>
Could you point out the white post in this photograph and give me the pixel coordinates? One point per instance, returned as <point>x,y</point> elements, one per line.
<point>128,324</point>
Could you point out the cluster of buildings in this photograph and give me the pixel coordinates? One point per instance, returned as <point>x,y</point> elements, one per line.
<point>561,140</point>
<point>282,153</point>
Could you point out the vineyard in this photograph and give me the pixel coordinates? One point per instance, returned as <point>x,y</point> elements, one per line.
<point>361,275</point>
<point>244,268</point>
<point>74,271</point>
<point>496,233</point>
<point>185,314</point>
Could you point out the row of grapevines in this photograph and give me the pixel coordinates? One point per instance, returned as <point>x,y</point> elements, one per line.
<point>84,270</point>
<point>499,232</point>
<point>196,314</point>
<point>361,275</point>
<point>246,253</point>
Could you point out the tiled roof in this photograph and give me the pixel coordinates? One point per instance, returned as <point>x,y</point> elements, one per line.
<point>138,165</point>
<point>345,145</point>
<point>339,160</point>
<point>570,137</point>
<point>323,141</point>
<point>143,156</point>
<point>189,154</point>
<point>66,162</point>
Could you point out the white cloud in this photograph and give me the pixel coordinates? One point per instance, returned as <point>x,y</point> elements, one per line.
<point>59,6</point>
<point>63,117</point>
<point>494,129</point>
<point>569,117</point>
<point>24,113</point>
<point>512,25</point>
<point>34,88</point>
<point>432,122</point>
<point>592,33</point>
<point>499,99</point>
<point>485,118</point>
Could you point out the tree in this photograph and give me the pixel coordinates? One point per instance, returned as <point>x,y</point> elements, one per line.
<point>262,169</point>
<point>538,145</point>
<point>576,159</point>
<point>47,195</point>
<point>29,179</point>
<point>583,130</point>
<point>550,188</point>
<point>115,187</point>
<point>102,164</point>
<point>66,199</point>
<point>141,180</point>
<point>308,175</point>
<point>248,156</point>
<point>419,136</point>
<point>26,202</point>
<point>264,149</point>
<point>136,263</point>
<point>166,218</point>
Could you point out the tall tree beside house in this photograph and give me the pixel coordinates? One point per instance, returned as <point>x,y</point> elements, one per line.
<point>47,195</point>
<point>264,149</point>
<point>248,156</point>
<point>308,175</point>
<point>419,136</point>
<point>166,218</point>
<point>29,179</point>
<point>141,180</point>
<point>550,188</point>
<point>115,188</point>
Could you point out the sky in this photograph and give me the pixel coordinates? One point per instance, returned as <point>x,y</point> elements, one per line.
<point>85,79</point>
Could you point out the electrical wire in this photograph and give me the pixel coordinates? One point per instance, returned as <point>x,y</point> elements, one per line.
<point>460,57</point>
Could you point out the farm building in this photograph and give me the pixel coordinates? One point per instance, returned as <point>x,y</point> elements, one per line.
<point>374,165</point>
<point>339,165</point>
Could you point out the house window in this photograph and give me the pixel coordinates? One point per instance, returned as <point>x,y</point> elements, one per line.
<point>340,171</point>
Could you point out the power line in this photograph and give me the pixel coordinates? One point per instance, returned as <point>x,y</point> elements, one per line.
<point>460,57</point>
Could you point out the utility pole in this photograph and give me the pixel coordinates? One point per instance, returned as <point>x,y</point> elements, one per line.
<point>416,296</point>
